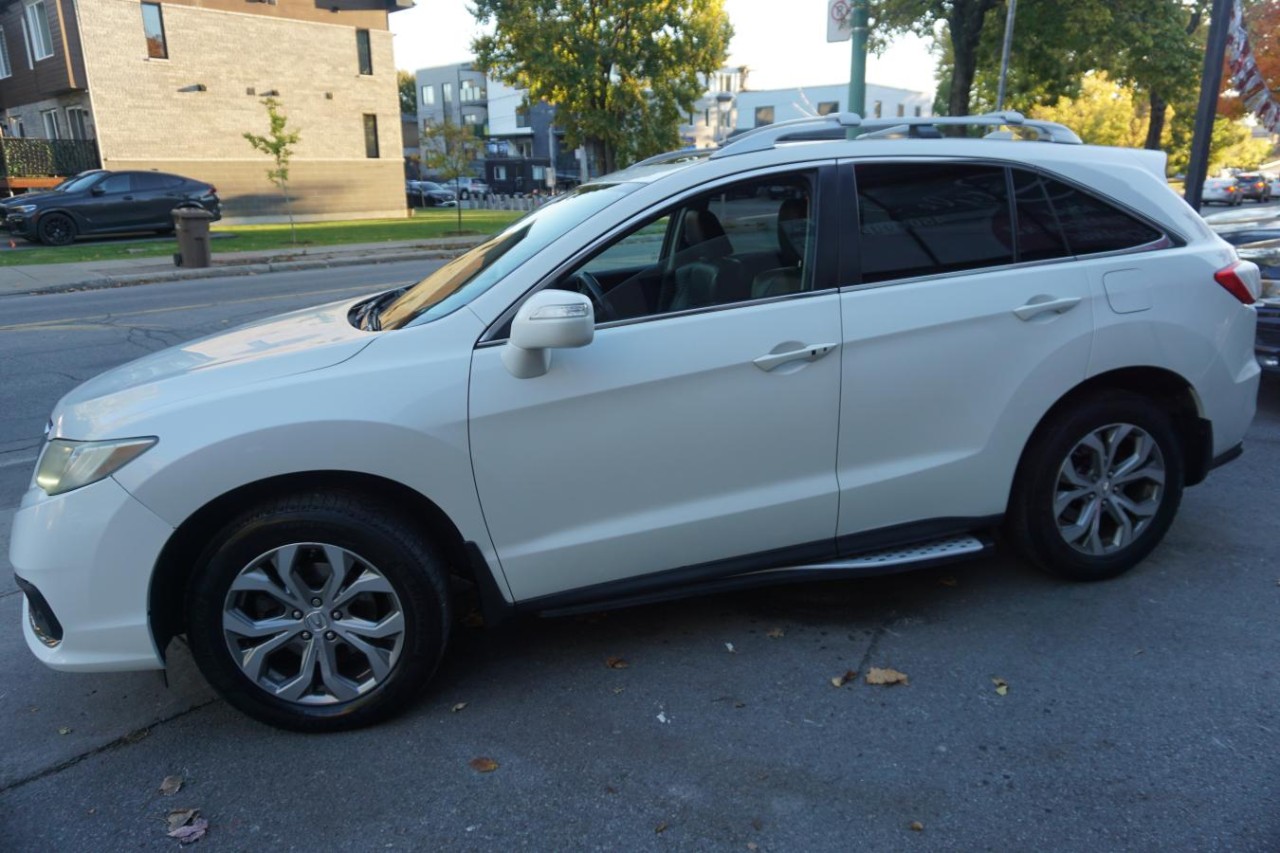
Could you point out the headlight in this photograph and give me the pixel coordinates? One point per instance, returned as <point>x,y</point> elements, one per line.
<point>22,208</point>
<point>67,465</point>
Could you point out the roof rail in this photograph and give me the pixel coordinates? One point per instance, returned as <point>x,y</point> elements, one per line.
<point>836,126</point>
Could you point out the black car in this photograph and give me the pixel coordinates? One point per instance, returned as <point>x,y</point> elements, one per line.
<point>429,194</point>
<point>1255,187</point>
<point>103,202</point>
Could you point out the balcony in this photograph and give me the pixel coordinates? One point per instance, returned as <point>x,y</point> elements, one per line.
<point>33,163</point>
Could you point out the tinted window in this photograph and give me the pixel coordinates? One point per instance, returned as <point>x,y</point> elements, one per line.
<point>1039,234</point>
<point>1091,225</point>
<point>117,184</point>
<point>144,181</point>
<point>925,218</point>
<point>363,52</point>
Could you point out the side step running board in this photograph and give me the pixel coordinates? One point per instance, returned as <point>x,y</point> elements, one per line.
<point>867,564</point>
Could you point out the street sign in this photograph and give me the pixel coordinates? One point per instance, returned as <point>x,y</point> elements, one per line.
<point>838,25</point>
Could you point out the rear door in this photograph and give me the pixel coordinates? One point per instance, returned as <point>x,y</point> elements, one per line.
<point>965,319</point>
<point>156,195</point>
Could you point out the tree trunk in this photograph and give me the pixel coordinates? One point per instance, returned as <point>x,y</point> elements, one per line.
<point>965,23</point>
<point>1155,122</point>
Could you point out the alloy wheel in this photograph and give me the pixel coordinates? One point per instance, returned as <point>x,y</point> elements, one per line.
<point>1108,489</point>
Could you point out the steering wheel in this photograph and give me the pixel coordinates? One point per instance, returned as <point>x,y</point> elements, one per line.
<point>592,285</point>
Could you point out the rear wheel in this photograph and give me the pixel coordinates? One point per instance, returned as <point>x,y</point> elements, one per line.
<point>1097,488</point>
<point>319,612</point>
<point>56,229</point>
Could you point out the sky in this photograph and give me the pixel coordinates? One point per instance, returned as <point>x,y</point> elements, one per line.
<point>783,44</point>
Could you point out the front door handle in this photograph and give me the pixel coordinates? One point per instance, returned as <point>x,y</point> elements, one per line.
<point>1043,304</point>
<point>813,352</point>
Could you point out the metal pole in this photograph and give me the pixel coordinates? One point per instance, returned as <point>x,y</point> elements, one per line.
<point>858,61</point>
<point>1004,53</point>
<point>1210,82</point>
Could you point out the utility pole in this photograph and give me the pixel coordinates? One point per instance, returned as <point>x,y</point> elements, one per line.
<point>1004,53</point>
<point>1210,82</point>
<point>858,14</point>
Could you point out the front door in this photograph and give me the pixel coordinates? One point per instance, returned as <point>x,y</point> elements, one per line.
<point>699,425</point>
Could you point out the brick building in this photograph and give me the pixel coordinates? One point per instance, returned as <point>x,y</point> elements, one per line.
<point>174,86</point>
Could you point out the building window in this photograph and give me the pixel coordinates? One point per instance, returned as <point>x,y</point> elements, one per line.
<point>17,129</point>
<point>371,137</point>
<point>153,29</point>
<point>446,91</point>
<point>499,173</point>
<point>6,69</point>
<point>764,115</point>
<point>364,52</point>
<point>917,112</point>
<point>826,108</point>
<point>51,129</point>
<point>879,109</point>
<point>35,26</point>
<point>78,121</point>
<point>471,91</point>
<point>901,110</point>
<point>522,117</point>
<point>428,96</point>
<point>471,118</point>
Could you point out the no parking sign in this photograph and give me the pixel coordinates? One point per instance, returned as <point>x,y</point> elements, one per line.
<point>838,23</point>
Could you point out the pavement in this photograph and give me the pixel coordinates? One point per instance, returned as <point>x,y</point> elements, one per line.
<point>90,275</point>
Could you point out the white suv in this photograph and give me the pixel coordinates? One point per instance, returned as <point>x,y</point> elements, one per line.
<point>796,357</point>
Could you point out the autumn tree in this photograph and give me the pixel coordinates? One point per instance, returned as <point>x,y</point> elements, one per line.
<point>449,150</point>
<point>620,73</point>
<point>408,86</point>
<point>278,145</point>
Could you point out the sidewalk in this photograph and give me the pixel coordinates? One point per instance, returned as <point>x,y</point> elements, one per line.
<point>90,275</point>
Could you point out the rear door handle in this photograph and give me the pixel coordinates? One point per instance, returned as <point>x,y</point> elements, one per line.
<point>1034,309</point>
<point>813,352</point>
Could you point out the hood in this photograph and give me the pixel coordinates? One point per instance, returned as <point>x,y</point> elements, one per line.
<point>269,349</point>
<point>29,198</point>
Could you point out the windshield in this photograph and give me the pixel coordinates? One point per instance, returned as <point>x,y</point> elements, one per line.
<point>78,183</point>
<point>466,277</point>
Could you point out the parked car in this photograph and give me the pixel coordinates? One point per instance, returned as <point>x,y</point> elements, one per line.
<point>103,202</point>
<point>1222,191</point>
<point>1273,184</point>
<point>467,188</point>
<point>664,384</point>
<point>1268,346</point>
<point>429,194</point>
<point>1254,186</point>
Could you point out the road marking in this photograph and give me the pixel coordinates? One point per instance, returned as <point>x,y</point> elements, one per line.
<point>86,322</point>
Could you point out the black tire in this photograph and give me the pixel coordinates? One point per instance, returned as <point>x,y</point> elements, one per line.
<point>1032,524</point>
<point>378,538</point>
<point>56,229</point>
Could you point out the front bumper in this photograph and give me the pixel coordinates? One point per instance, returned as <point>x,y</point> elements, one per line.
<point>90,554</point>
<point>19,225</point>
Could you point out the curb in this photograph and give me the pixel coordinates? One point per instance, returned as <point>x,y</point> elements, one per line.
<point>233,268</point>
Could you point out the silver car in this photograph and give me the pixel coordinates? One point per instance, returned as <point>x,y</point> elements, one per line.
<point>1222,191</point>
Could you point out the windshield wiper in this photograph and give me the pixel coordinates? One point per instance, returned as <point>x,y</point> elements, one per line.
<point>368,317</point>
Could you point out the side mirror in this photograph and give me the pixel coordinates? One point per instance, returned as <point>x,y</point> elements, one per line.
<point>98,190</point>
<point>550,319</point>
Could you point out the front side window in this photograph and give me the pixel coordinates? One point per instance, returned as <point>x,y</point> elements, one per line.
<point>121,183</point>
<point>764,115</point>
<point>748,241</point>
<point>364,53</point>
<point>371,136</point>
<point>35,25</point>
<point>153,29</point>
<point>927,218</point>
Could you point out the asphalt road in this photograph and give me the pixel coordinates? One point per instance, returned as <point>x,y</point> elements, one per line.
<point>1140,714</point>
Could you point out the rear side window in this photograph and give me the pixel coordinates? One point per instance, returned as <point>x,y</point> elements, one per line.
<point>1090,225</point>
<point>927,218</point>
<point>144,181</point>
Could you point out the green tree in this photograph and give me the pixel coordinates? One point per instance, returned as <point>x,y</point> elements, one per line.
<point>408,85</point>
<point>1105,113</point>
<point>619,72</point>
<point>278,145</point>
<point>449,150</point>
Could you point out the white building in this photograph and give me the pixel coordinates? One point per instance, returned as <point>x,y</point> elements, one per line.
<point>759,108</point>
<point>714,115</point>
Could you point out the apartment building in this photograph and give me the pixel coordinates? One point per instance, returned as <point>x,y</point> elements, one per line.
<point>174,85</point>
<point>767,106</point>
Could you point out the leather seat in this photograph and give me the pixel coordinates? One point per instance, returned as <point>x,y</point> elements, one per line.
<point>793,226</point>
<point>704,273</point>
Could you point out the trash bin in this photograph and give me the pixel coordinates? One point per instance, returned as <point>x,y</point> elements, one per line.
<point>192,228</point>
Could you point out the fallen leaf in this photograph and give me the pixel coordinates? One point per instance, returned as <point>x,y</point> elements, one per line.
<point>876,675</point>
<point>64,730</point>
<point>739,704</point>
<point>730,649</point>
<point>663,718</point>
<point>171,785</point>
<point>458,707</point>
<point>192,832</point>
<point>842,680</point>
<point>616,663</point>
<point>609,789</point>
<point>181,817</point>
<point>776,634</point>
<point>917,826</point>
<point>660,828</point>
<point>618,690</point>
<point>948,581</point>
<point>483,765</point>
<point>1002,686</point>
<point>757,824</point>
<point>751,845</point>
<point>92,811</point>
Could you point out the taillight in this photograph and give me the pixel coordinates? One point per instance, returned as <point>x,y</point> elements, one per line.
<point>1231,278</point>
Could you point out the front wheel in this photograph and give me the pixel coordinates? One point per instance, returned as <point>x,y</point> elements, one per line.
<point>56,229</point>
<point>1097,488</point>
<point>319,612</point>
